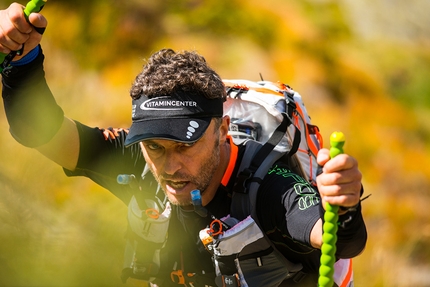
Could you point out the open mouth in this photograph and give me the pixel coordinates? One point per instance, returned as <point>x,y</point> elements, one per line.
<point>176,185</point>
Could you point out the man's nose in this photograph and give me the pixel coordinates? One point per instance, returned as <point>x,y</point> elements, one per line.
<point>172,162</point>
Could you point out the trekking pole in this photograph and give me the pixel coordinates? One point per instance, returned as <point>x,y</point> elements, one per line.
<point>31,7</point>
<point>328,248</point>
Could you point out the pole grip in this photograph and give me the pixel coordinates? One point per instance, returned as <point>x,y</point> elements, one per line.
<point>329,238</point>
<point>33,6</point>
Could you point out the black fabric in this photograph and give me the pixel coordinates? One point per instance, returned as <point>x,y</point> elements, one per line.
<point>32,112</point>
<point>103,156</point>
<point>350,229</point>
<point>287,209</point>
<point>180,116</point>
<point>7,59</point>
<point>40,30</point>
<point>291,216</point>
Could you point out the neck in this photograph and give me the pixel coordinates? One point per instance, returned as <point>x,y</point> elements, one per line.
<point>219,173</point>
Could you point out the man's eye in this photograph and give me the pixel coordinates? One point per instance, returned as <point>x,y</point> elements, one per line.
<point>188,144</point>
<point>152,146</point>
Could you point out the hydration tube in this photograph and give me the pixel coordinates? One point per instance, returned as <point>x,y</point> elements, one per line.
<point>328,248</point>
<point>32,7</point>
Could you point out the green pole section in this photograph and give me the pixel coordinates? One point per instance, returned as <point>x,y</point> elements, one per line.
<point>31,7</point>
<point>328,248</point>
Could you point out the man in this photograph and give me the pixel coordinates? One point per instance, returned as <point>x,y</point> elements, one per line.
<point>179,132</point>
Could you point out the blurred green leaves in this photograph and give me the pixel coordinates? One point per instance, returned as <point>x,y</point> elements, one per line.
<point>373,86</point>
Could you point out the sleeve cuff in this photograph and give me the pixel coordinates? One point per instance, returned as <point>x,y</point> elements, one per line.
<point>27,58</point>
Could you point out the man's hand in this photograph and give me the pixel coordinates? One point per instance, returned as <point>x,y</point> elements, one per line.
<point>15,31</point>
<point>340,180</point>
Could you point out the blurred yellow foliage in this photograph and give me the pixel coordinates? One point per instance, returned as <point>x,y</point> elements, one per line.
<point>57,231</point>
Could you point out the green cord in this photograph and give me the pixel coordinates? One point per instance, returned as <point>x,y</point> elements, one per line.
<point>328,248</point>
<point>31,7</point>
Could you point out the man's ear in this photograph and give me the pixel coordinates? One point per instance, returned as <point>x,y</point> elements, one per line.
<point>224,128</point>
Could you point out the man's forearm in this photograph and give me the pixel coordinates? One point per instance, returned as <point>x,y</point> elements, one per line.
<point>352,234</point>
<point>32,112</point>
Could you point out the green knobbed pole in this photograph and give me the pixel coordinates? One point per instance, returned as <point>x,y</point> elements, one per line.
<point>328,248</point>
<point>31,7</point>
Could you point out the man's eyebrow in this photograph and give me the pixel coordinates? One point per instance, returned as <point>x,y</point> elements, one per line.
<point>148,142</point>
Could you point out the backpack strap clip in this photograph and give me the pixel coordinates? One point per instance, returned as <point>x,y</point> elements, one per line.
<point>290,103</point>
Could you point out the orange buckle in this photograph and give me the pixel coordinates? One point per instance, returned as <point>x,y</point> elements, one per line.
<point>215,228</point>
<point>152,213</point>
<point>177,277</point>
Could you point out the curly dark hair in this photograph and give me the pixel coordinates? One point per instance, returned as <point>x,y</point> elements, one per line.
<point>168,71</point>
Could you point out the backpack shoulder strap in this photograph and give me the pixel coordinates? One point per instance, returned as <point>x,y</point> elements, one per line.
<point>258,153</point>
<point>249,179</point>
<point>256,162</point>
<point>245,197</point>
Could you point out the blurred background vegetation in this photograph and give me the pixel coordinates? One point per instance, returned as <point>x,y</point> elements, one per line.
<point>362,67</point>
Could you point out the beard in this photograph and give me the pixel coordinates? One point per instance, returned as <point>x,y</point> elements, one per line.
<point>201,181</point>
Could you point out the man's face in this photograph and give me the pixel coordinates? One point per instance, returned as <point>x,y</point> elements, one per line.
<point>180,168</point>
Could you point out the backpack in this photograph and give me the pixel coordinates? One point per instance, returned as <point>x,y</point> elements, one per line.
<point>262,116</point>
<point>256,109</point>
<point>272,122</point>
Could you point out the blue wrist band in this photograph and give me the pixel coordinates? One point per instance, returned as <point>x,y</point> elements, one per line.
<point>27,58</point>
